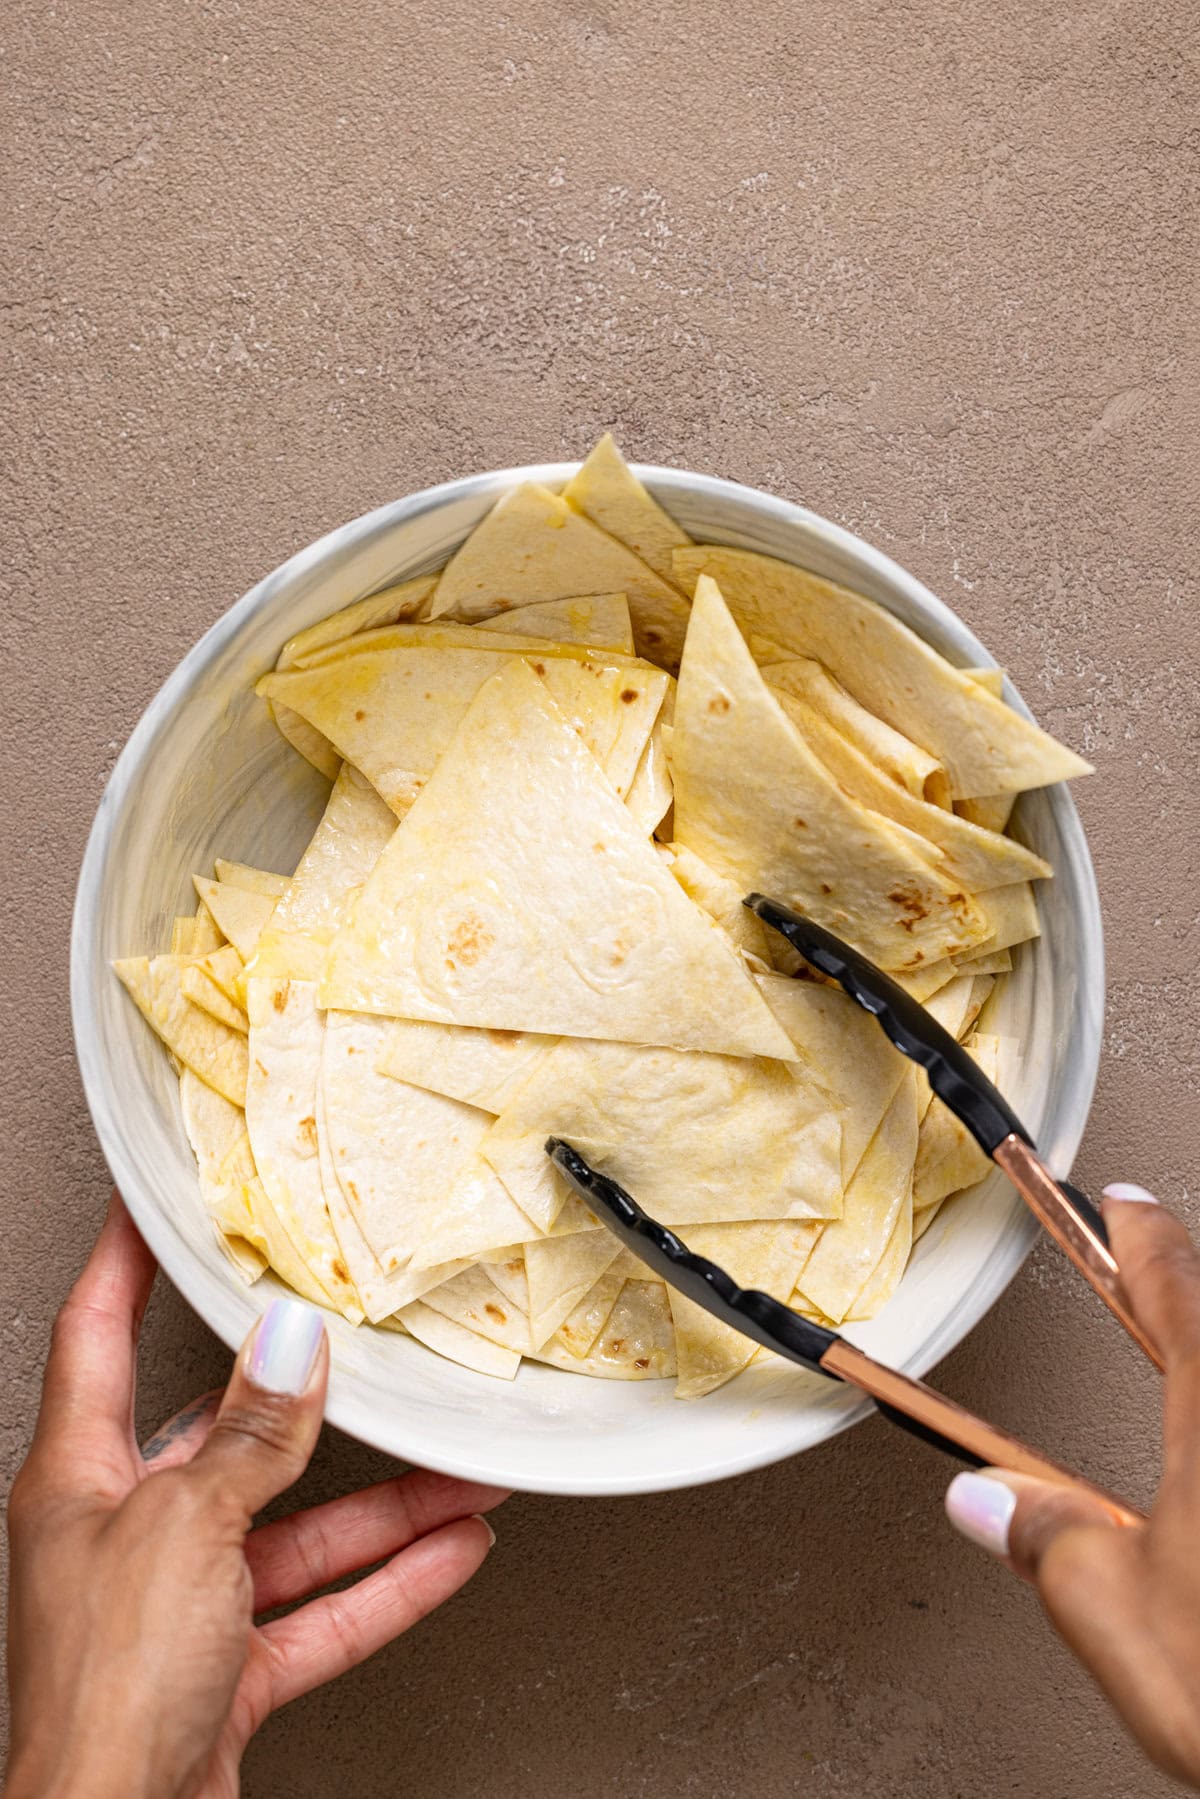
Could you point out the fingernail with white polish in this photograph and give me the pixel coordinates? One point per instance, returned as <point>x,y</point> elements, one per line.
<point>285,1347</point>
<point>981,1508</point>
<point>480,1519</point>
<point>1129,1190</point>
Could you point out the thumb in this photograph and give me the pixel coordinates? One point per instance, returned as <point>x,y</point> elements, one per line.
<point>1018,1518</point>
<point>269,1419</point>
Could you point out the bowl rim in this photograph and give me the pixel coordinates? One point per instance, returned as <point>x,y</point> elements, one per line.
<point>358,1419</point>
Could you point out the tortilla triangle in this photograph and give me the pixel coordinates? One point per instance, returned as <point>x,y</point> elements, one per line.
<point>542,910</point>
<point>984,746</point>
<point>755,802</point>
<point>607,491</point>
<point>534,546</point>
<point>393,712</point>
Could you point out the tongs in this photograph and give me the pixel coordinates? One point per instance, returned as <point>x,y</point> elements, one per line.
<point>909,1403</point>
<point>1061,1209</point>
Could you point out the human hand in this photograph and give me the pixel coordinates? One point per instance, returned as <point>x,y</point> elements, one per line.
<point>1125,1601</point>
<point>134,1661</point>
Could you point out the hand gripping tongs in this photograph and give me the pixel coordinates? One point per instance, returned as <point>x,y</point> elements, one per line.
<point>958,1081</point>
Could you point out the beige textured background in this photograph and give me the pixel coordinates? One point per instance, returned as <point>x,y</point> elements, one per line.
<point>929,269</point>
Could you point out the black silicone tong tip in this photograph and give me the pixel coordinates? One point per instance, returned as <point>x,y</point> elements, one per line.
<point>745,1309</point>
<point>954,1075</point>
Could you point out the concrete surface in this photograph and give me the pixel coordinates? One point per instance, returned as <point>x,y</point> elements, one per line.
<point>929,269</point>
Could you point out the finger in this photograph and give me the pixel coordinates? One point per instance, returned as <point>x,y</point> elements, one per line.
<point>266,1427</point>
<point>296,1556</point>
<point>331,1635</point>
<point>1160,1270</point>
<point>177,1441</point>
<point>1017,1518</point>
<point>88,1386</point>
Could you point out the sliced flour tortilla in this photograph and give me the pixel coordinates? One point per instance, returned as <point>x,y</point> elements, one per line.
<point>357,1254</point>
<point>697,1138</point>
<point>397,1149</point>
<point>404,601</point>
<point>216,1131</point>
<point>768,1257</point>
<point>583,1324</point>
<point>473,1300</point>
<point>239,914</point>
<point>286,1032</point>
<point>755,802</point>
<point>888,1270</point>
<point>990,814</point>
<point>608,492</point>
<point>280,1251</point>
<point>206,936</point>
<point>894,755</point>
<point>381,1292</point>
<point>211,1050</point>
<point>722,899</point>
<point>651,792</point>
<point>441,635</point>
<point>214,1128</point>
<point>561,1272</point>
<point>533,546</point>
<point>253,880</point>
<point>182,932</point>
<point>393,713</point>
<point>352,834</point>
<point>636,1343</point>
<point>973,857</point>
<point>599,619</point>
<point>1010,915</point>
<point>477,1218</point>
<point>479,1067</point>
<point>849,1250</point>
<point>948,1157</point>
<point>848,1051</point>
<point>223,968</point>
<point>508,1272</point>
<point>997,961</point>
<point>310,743</point>
<point>205,993</point>
<point>984,746</point>
<point>544,911</point>
<point>456,1343</point>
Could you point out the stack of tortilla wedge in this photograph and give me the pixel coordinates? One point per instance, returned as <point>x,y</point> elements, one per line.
<point>557,765</point>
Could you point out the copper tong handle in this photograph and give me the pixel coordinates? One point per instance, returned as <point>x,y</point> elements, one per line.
<point>1073,1234</point>
<point>935,1416</point>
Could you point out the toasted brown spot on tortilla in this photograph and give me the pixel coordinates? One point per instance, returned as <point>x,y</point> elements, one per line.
<point>341,1270</point>
<point>360,716</point>
<point>910,901</point>
<point>617,1345</point>
<point>642,1362</point>
<point>628,695</point>
<point>352,1190</point>
<point>470,941</point>
<point>306,1130</point>
<point>495,1312</point>
<point>801,824</point>
<point>262,1071</point>
<point>539,668</point>
<point>279,998</point>
<point>719,703</point>
<point>502,1037</point>
<point>825,887</point>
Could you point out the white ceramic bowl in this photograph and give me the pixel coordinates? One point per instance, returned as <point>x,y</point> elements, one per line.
<point>205,773</point>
